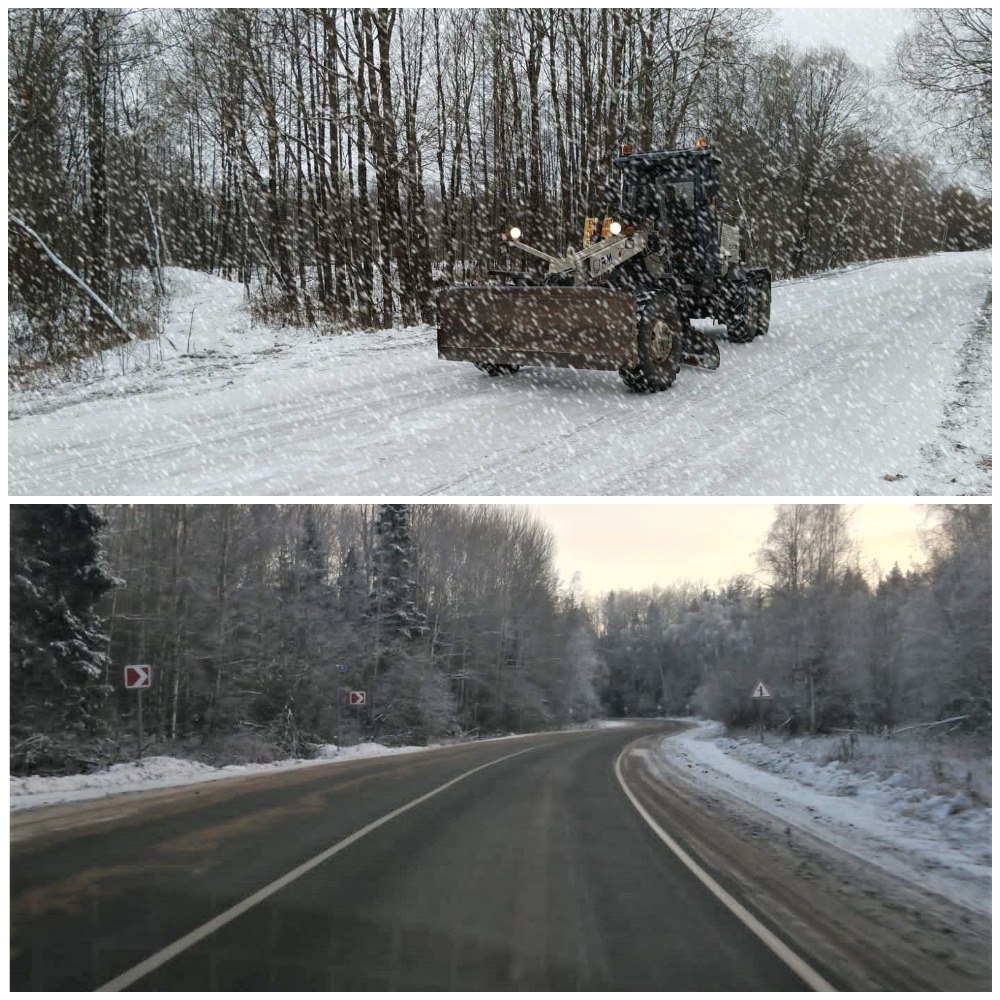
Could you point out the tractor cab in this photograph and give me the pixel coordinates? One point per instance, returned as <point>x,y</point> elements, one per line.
<point>625,300</point>
<point>677,192</point>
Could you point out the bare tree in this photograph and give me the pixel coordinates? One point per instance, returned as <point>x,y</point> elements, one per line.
<point>946,57</point>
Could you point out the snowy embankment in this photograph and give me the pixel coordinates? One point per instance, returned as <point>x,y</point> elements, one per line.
<point>168,772</point>
<point>940,842</point>
<point>872,380</point>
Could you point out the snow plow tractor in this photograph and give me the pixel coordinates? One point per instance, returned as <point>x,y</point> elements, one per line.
<point>660,258</point>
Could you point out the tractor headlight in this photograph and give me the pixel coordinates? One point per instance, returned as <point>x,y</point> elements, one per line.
<point>615,228</point>
<point>515,233</point>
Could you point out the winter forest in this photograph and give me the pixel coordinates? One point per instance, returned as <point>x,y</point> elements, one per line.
<point>454,621</point>
<point>345,163</point>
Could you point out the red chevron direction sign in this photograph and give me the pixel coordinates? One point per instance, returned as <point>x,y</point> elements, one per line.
<point>760,691</point>
<point>357,697</point>
<point>140,676</point>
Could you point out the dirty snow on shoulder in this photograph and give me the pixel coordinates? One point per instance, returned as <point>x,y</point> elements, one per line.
<point>938,839</point>
<point>872,380</point>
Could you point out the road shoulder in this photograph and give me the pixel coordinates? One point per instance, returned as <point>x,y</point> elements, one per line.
<point>841,913</point>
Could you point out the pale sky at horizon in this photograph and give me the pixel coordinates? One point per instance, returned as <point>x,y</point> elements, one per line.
<point>867,34</point>
<point>634,546</point>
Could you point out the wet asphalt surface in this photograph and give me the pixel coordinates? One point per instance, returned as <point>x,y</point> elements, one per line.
<point>534,873</point>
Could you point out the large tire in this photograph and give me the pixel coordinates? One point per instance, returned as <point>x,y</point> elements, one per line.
<point>659,343</point>
<point>494,370</point>
<point>742,316</point>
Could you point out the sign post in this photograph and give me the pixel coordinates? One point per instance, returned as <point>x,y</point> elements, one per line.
<point>760,695</point>
<point>357,699</point>
<point>138,677</point>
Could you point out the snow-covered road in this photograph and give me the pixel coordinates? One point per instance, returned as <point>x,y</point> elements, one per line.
<point>852,385</point>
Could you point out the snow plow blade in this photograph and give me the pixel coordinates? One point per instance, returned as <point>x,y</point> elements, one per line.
<point>552,327</point>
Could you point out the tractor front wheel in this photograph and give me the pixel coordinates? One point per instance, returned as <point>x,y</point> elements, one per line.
<point>659,344</point>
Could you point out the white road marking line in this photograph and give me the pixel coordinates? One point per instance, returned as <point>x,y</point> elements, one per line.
<point>807,974</point>
<point>210,927</point>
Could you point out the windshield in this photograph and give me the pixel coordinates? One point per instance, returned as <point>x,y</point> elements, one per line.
<point>673,193</point>
<point>644,194</point>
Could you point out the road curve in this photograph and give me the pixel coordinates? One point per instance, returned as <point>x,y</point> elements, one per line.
<point>843,397</point>
<point>531,872</point>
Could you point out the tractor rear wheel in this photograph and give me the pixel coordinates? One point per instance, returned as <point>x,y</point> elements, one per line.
<point>494,370</point>
<point>659,343</point>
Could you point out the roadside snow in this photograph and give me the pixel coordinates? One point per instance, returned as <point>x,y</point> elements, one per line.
<point>940,842</point>
<point>862,387</point>
<point>961,460</point>
<point>168,772</point>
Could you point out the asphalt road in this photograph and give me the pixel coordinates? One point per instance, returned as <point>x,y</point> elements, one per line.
<point>535,872</point>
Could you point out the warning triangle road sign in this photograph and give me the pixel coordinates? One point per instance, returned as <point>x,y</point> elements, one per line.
<point>760,691</point>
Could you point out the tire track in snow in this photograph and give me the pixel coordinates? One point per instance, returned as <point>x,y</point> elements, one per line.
<point>849,385</point>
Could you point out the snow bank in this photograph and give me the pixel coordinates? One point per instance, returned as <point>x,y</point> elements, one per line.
<point>169,772</point>
<point>940,841</point>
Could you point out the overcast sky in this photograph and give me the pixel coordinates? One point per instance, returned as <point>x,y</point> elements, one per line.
<point>633,546</point>
<point>868,34</point>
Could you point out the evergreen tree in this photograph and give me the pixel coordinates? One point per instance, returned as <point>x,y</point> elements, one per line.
<point>392,603</point>
<point>59,666</point>
<point>393,618</point>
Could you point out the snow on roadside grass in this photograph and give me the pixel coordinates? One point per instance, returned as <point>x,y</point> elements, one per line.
<point>957,766</point>
<point>961,460</point>
<point>168,772</point>
<point>941,842</point>
<point>208,334</point>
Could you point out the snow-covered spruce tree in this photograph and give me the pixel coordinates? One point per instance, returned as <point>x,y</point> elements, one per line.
<point>391,603</point>
<point>403,688</point>
<point>58,648</point>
